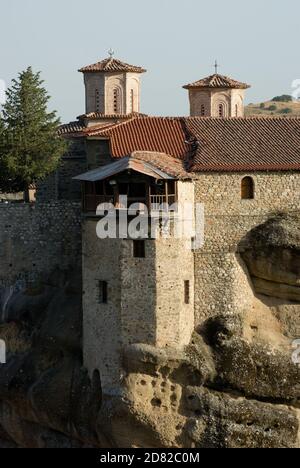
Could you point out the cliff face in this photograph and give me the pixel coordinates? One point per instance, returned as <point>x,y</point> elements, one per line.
<point>234,386</point>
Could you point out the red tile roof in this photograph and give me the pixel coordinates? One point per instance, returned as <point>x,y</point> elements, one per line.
<point>173,166</point>
<point>245,144</point>
<point>234,144</point>
<point>156,134</point>
<point>158,165</point>
<point>217,81</point>
<point>71,128</point>
<point>111,65</point>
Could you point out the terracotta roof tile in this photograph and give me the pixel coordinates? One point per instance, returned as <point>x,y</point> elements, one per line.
<point>164,162</point>
<point>99,115</point>
<point>245,144</point>
<point>234,144</point>
<point>71,128</point>
<point>156,134</point>
<point>217,81</point>
<point>111,65</point>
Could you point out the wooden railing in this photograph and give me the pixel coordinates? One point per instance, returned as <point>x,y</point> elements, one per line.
<point>157,201</point>
<point>91,202</point>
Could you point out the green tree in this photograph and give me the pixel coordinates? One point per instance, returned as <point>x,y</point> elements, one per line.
<point>283,98</point>
<point>29,146</point>
<point>286,110</point>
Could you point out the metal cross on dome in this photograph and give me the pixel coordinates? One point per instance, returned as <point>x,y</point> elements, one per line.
<point>216,67</point>
<point>111,52</point>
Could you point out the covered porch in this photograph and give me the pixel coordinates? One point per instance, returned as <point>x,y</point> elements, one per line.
<point>140,182</point>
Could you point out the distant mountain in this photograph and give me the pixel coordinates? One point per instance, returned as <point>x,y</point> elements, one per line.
<point>282,106</point>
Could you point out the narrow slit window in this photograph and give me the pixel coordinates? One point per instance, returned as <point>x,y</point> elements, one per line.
<point>202,110</point>
<point>221,110</point>
<point>132,100</point>
<point>117,106</point>
<point>139,250</point>
<point>97,100</point>
<point>187,292</point>
<point>103,292</point>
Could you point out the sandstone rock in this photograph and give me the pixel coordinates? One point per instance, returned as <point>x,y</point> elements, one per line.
<point>272,256</point>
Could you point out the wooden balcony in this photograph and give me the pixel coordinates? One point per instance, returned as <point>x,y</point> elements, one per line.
<point>145,196</point>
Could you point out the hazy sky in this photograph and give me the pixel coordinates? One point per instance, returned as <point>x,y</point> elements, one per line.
<point>176,40</point>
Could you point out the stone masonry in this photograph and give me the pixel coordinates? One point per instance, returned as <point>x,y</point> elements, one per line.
<point>221,283</point>
<point>37,239</point>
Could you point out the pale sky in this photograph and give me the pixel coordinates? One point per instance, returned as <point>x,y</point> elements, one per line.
<point>177,41</point>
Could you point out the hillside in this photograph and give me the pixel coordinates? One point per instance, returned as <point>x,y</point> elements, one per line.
<point>282,106</point>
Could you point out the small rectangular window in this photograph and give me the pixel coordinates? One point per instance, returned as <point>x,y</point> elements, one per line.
<point>103,288</point>
<point>139,250</point>
<point>186,292</point>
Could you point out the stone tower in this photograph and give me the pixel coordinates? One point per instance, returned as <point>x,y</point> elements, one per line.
<point>217,96</point>
<point>112,87</point>
<point>137,291</point>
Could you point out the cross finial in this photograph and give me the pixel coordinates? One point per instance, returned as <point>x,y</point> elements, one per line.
<point>111,52</point>
<point>216,67</point>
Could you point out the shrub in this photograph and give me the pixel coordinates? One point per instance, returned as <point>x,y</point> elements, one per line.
<point>286,110</point>
<point>283,98</point>
<point>272,108</point>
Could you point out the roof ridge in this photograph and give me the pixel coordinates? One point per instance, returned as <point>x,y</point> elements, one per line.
<point>111,64</point>
<point>217,81</point>
<point>249,117</point>
<point>96,115</point>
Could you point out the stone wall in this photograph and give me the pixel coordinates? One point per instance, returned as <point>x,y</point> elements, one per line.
<point>36,239</point>
<point>60,184</point>
<point>100,87</point>
<point>221,281</point>
<point>94,82</point>
<point>211,99</point>
<point>146,299</point>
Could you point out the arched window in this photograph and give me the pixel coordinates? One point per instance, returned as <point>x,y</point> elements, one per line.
<point>221,110</point>
<point>97,100</point>
<point>117,101</point>
<point>202,110</point>
<point>247,188</point>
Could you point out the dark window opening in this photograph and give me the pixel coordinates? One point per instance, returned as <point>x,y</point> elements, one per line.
<point>123,188</point>
<point>186,292</point>
<point>109,187</point>
<point>202,110</point>
<point>139,250</point>
<point>137,190</point>
<point>221,110</point>
<point>117,101</point>
<point>89,188</point>
<point>247,188</point>
<point>103,292</point>
<point>99,189</point>
<point>97,100</point>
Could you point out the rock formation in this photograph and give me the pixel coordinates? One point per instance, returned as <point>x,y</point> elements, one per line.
<point>234,386</point>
